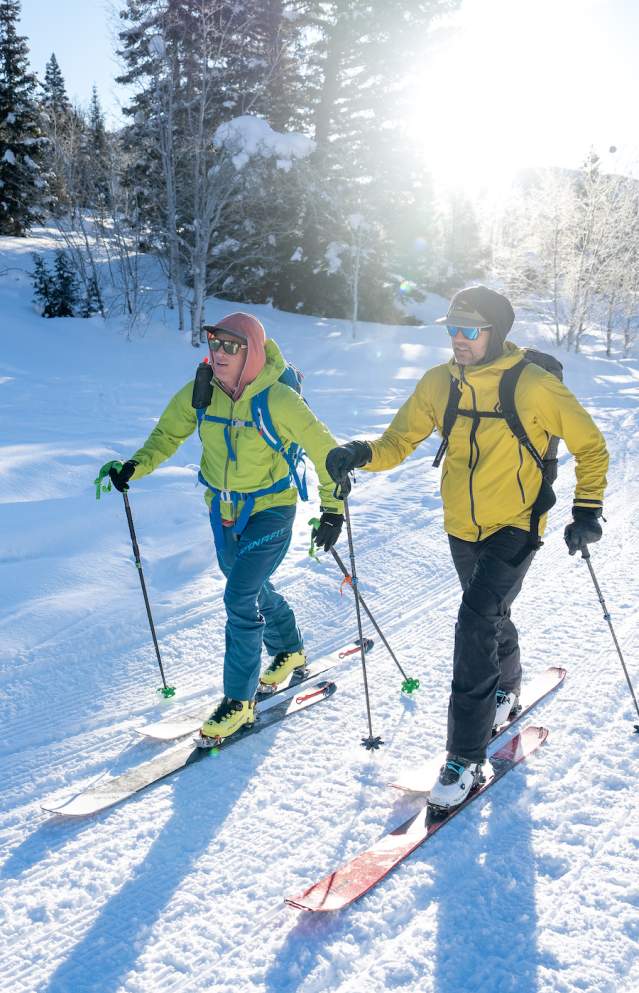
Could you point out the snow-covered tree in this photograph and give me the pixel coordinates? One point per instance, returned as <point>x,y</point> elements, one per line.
<point>198,65</point>
<point>24,194</point>
<point>358,88</point>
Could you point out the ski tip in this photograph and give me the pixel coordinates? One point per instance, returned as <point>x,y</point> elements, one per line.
<point>73,808</point>
<point>295,906</point>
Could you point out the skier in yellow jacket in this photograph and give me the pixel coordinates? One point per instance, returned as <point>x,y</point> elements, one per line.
<point>251,493</point>
<point>496,492</point>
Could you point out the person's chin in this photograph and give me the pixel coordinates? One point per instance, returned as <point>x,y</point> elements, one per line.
<point>463,358</point>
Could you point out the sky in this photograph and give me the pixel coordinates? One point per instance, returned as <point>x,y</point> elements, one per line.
<point>82,34</point>
<point>517,83</point>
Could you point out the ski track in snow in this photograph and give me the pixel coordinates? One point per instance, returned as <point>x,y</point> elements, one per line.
<point>180,889</point>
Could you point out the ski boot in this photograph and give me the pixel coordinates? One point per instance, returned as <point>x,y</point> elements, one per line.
<point>227,718</point>
<point>507,707</point>
<point>457,779</point>
<point>283,665</point>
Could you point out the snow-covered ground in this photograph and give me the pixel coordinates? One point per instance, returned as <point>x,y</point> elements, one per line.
<point>535,889</point>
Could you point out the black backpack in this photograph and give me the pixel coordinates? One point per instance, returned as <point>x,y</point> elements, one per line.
<point>547,464</point>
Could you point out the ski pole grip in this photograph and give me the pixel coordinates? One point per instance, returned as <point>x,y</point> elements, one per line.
<point>103,473</point>
<point>314,523</point>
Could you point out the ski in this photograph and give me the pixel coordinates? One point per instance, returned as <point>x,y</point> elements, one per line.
<point>103,795</point>
<point>351,881</point>
<point>187,722</point>
<point>418,778</point>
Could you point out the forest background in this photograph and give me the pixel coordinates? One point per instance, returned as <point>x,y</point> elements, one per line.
<point>270,155</point>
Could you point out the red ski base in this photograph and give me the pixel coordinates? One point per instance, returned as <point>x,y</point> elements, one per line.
<point>350,882</point>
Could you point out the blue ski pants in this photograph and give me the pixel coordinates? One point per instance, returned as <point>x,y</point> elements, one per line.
<point>255,612</point>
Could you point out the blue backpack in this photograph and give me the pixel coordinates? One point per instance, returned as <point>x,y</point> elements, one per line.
<point>263,422</point>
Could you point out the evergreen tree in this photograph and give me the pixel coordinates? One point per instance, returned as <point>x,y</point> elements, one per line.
<point>96,126</point>
<point>59,127</point>
<point>54,91</point>
<point>92,303</point>
<point>463,256</point>
<point>23,182</point>
<point>64,291</point>
<point>358,88</point>
<point>94,156</point>
<point>42,286</point>
<point>196,65</point>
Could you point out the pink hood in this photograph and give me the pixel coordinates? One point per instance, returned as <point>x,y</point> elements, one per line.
<point>248,327</point>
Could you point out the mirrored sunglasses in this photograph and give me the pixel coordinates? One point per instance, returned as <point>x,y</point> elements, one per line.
<point>471,333</point>
<point>230,347</point>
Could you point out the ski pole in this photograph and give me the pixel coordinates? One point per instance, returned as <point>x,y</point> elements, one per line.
<point>371,742</point>
<point>165,690</point>
<point>409,683</point>
<point>585,554</point>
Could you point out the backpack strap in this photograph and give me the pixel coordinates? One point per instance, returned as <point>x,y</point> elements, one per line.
<point>507,387</point>
<point>547,465</point>
<point>450,416</point>
<point>268,432</point>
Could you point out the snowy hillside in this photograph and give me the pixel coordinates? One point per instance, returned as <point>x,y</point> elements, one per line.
<point>534,889</point>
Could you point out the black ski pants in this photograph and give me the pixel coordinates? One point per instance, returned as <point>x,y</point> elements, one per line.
<point>486,655</point>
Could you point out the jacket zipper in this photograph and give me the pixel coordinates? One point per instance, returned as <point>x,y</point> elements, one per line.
<point>473,442</point>
<point>521,487</point>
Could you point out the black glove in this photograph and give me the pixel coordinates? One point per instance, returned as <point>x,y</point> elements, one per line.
<point>584,529</point>
<point>340,461</point>
<point>120,479</point>
<point>330,526</point>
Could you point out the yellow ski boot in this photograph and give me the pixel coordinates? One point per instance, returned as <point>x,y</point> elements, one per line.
<point>281,668</point>
<point>227,718</point>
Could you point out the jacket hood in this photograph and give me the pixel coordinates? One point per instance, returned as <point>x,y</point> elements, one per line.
<point>252,331</point>
<point>274,366</point>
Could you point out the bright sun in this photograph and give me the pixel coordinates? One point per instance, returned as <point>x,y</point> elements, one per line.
<point>518,83</point>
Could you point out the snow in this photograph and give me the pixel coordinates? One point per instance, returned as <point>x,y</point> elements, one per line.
<point>248,136</point>
<point>9,157</point>
<point>533,890</point>
<point>157,46</point>
<point>333,256</point>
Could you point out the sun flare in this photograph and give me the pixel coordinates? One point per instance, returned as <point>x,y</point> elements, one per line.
<point>509,87</point>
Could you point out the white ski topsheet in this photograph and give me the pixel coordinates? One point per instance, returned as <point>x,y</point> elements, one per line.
<point>183,888</point>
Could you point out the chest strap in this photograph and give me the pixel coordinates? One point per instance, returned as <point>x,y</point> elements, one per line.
<point>228,422</point>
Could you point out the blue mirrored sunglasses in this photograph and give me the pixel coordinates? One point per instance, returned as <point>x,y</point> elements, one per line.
<point>471,333</point>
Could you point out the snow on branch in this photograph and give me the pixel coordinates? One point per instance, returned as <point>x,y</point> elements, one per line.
<point>248,136</point>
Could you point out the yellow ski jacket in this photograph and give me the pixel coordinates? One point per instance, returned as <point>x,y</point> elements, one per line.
<point>489,482</point>
<point>256,466</point>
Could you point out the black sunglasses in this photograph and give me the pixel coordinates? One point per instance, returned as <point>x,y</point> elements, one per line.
<point>230,347</point>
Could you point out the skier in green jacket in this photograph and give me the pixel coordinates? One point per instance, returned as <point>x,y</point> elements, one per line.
<point>251,492</point>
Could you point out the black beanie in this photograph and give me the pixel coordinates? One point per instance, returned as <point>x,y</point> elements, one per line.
<point>479,306</point>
